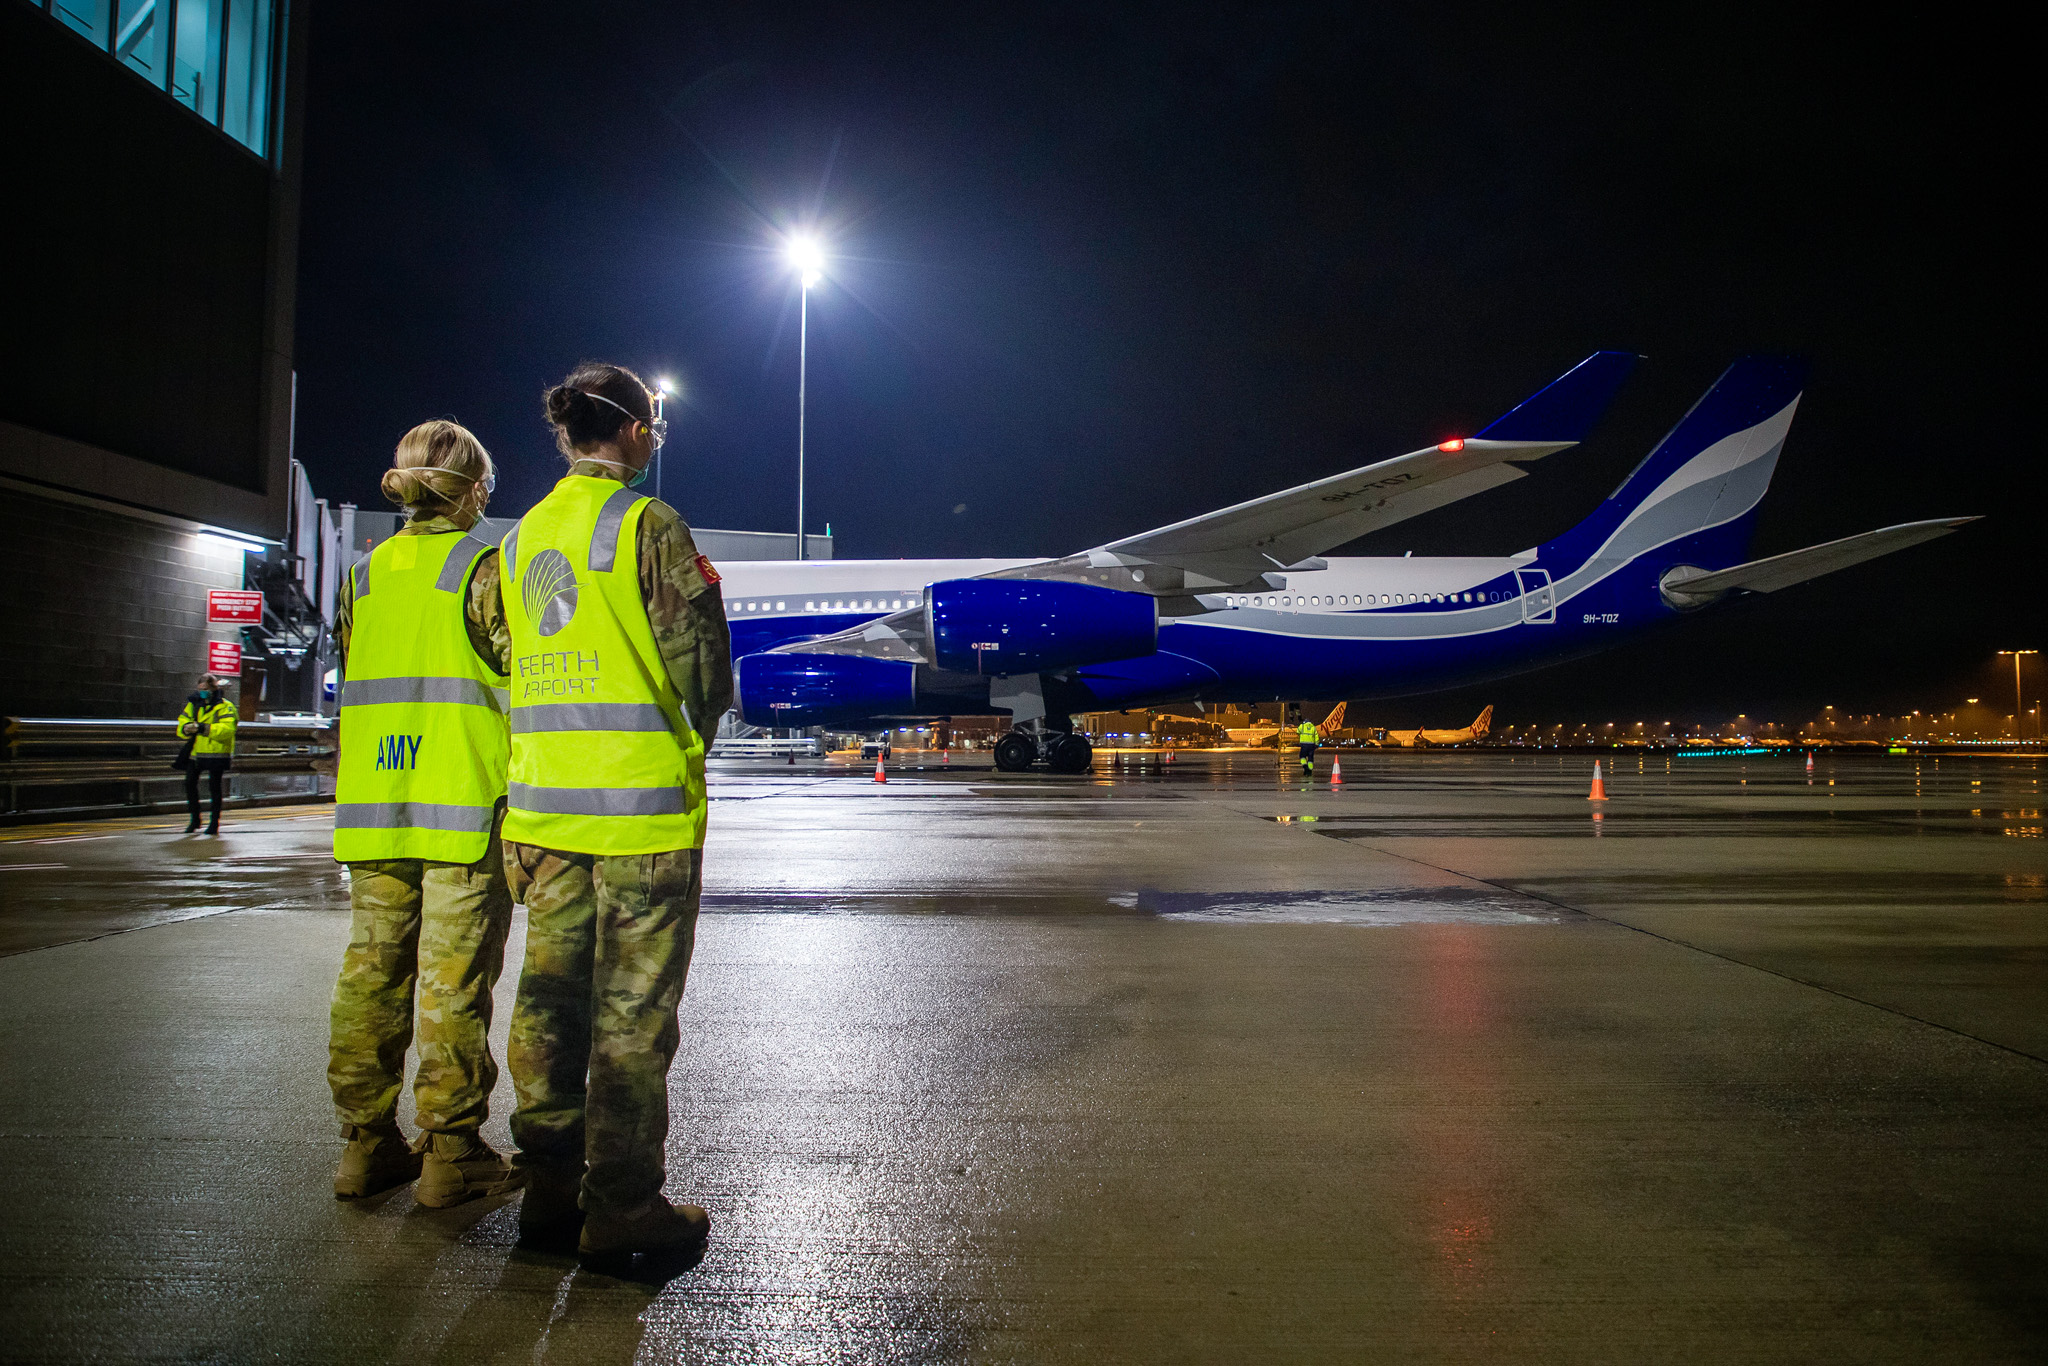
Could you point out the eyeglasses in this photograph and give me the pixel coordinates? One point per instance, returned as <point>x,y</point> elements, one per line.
<point>657,429</point>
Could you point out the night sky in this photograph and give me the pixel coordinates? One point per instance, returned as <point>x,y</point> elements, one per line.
<point>1097,268</point>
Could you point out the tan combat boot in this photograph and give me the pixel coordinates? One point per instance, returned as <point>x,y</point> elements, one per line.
<point>376,1159</point>
<point>656,1226</point>
<point>458,1167</point>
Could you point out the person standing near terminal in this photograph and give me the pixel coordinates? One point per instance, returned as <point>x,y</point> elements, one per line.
<point>621,669</point>
<point>419,797</point>
<point>1308,735</point>
<point>208,723</point>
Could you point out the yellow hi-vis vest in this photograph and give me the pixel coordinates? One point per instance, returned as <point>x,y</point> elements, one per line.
<point>1307,734</point>
<point>424,736</point>
<point>219,719</point>
<point>604,758</point>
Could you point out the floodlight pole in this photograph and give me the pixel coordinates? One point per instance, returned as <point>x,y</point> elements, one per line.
<point>2019,706</point>
<point>803,371</point>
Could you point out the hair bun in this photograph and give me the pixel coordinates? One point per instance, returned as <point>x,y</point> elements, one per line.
<point>565,404</point>
<point>403,487</point>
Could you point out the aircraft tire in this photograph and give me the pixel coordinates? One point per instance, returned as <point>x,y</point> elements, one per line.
<point>1016,752</point>
<point>1072,754</point>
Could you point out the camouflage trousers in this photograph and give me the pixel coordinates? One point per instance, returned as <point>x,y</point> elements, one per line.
<point>442,926</point>
<point>608,940</point>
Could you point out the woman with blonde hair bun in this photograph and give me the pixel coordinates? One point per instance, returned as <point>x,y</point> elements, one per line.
<point>419,798</point>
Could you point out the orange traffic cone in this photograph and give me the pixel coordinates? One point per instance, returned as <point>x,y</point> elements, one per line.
<point>882,777</point>
<point>1336,772</point>
<point>1599,792</point>
<point>1809,761</point>
<point>1169,757</point>
<point>945,756</point>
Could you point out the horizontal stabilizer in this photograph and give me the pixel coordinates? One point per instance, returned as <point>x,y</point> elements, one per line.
<point>1689,587</point>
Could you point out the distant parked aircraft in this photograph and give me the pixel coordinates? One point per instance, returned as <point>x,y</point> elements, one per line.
<point>1423,739</point>
<point>1262,732</point>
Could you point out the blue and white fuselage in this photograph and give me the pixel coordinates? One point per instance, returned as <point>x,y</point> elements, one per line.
<point>1242,606</point>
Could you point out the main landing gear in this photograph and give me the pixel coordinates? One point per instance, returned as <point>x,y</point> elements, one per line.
<point>1061,751</point>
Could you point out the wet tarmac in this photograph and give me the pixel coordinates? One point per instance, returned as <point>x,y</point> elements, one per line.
<point>1188,1062</point>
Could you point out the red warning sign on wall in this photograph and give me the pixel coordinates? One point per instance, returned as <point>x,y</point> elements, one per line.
<point>234,606</point>
<point>224,657</point>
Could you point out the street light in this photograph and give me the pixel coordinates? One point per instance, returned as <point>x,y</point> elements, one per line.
<point>662,389</point>
<point>2019,708</point>
<point>807,258</point>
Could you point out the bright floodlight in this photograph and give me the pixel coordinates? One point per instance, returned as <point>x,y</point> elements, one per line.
<point>808,258</point>
<point>665,386</point>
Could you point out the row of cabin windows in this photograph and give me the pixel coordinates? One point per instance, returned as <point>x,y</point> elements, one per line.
<point>827,604</point>
<point>1358,599</point>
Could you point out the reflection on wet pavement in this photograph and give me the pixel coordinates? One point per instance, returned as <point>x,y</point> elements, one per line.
<point>1161,1063</point>
<point>1436,906</point>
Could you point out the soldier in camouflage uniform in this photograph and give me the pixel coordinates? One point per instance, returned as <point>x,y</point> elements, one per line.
<point>609,936</point>
<point>418,925</point>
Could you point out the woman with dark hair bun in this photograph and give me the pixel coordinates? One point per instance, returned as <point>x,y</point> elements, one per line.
<point>621,669</point>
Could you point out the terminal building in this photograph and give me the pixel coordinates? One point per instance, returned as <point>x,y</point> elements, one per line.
<point>146,386</point>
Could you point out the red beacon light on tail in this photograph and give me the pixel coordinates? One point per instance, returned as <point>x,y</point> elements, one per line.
<point>1453,446</point>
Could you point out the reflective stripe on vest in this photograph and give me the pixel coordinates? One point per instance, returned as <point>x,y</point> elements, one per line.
<point>424,734</point>
<point>600,801</point>
<point>461,692</point>
<point>604,760</point>
<point>414,816</point>
<point>589,716</point>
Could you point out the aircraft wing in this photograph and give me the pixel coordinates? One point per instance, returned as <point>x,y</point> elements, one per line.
<point>1692,587</point>
<point>1240,544</point>
<point>1285,530</point>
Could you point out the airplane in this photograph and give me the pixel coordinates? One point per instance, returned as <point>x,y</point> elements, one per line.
<point>1245,605</point>
<point>1426,739</point>
<point>1262,732</point>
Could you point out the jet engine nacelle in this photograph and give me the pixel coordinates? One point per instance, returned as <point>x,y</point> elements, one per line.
<point>1020,626</point>
<point>822,690</point>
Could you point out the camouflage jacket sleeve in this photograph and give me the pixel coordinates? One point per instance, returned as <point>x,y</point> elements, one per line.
<point>687,612</point>
<point>484,614</point>
<point>344,616</point>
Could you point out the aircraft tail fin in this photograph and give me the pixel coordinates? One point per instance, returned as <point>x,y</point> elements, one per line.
<point>1483,723</point>
<point>1704,480</point>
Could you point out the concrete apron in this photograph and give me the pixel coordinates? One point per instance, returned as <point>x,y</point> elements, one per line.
<point>1067,1076</point>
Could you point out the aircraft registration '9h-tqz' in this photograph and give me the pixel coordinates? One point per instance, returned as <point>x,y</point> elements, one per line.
<point>1242,606</point>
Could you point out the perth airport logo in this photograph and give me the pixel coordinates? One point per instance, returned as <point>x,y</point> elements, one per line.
<point>550,591</point>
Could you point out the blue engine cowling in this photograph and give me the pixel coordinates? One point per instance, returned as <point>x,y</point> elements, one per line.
<point>1016,626</point>
<point>822,690</point>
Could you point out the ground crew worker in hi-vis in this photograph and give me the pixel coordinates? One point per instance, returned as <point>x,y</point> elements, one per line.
<point>424,744</point>
<point>208,721</point>
<point>621,669</point>
<point>1308,736</point>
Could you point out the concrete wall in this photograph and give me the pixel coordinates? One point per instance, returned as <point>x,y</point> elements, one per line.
<point>104,614</point>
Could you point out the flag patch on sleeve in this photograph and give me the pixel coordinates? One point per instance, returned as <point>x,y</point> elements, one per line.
<point>704,568</point>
